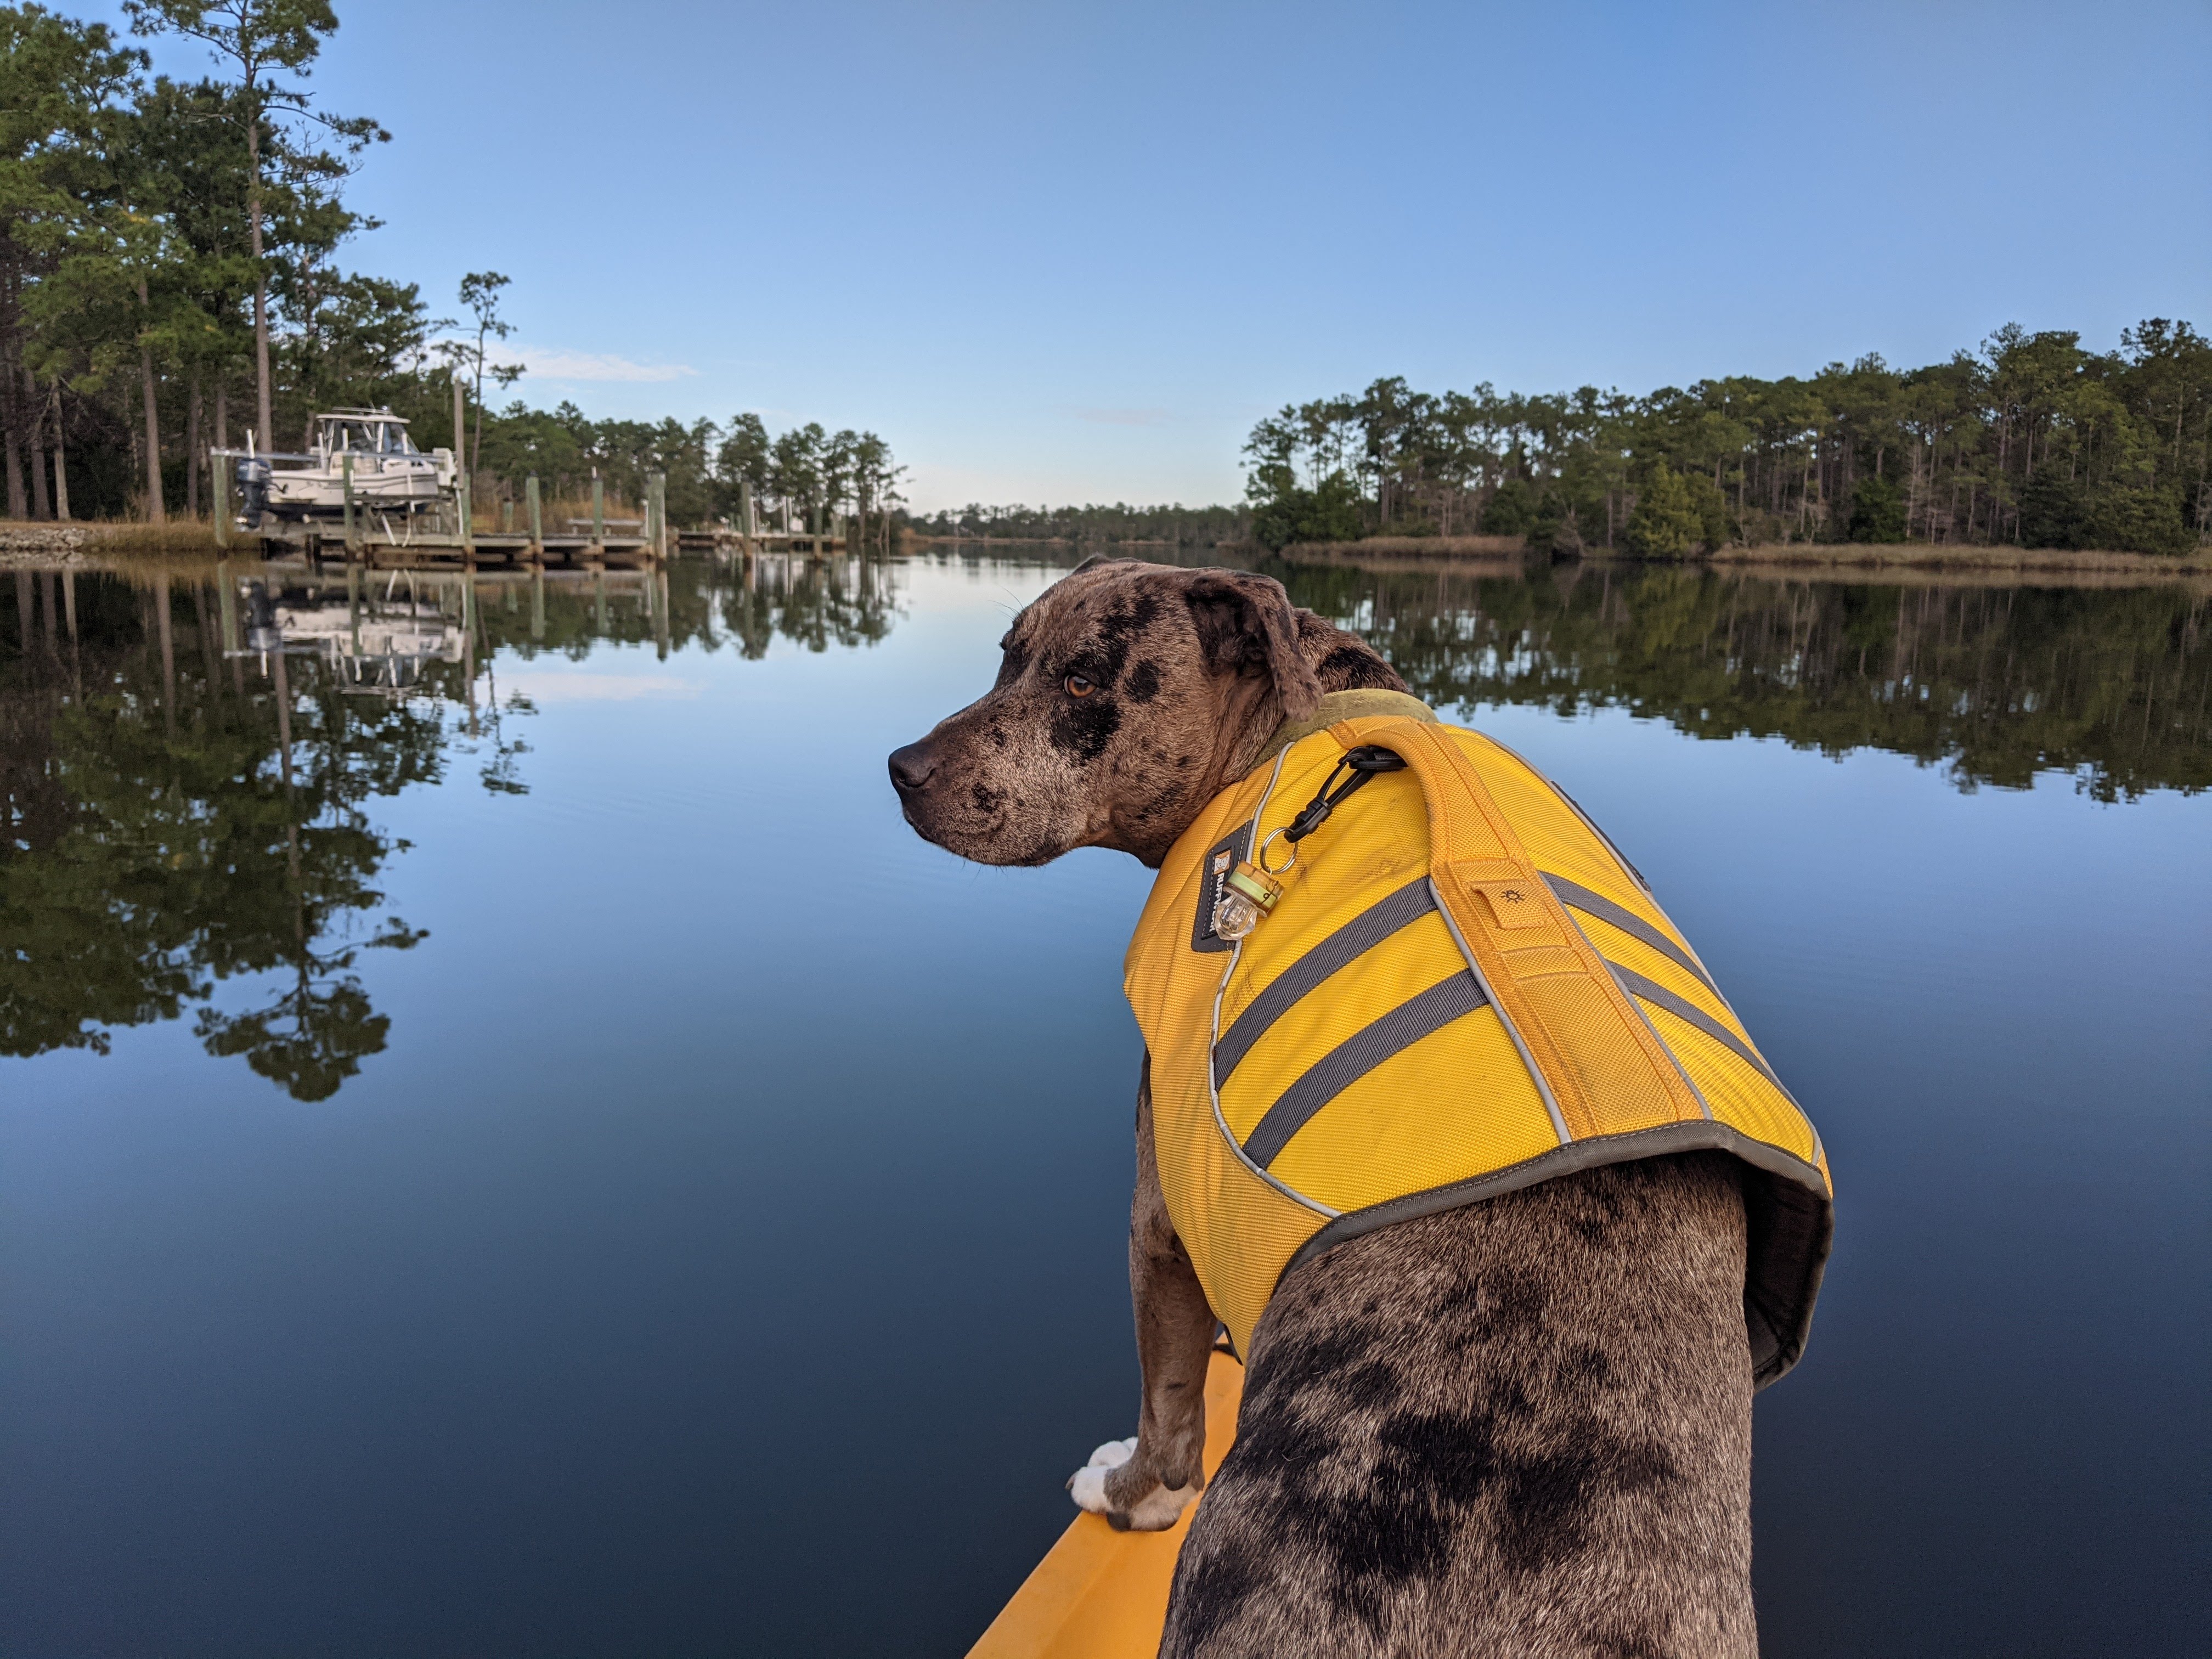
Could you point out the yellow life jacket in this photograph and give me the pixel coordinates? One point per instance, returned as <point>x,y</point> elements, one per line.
<point>1463,989</point>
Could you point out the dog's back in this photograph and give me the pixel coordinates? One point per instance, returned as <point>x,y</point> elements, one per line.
<point>1520,1428</point>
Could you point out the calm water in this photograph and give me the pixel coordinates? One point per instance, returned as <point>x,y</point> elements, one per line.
<point>568,1173</point>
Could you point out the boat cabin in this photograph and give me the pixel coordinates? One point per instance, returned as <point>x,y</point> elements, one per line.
<point>363,431</point>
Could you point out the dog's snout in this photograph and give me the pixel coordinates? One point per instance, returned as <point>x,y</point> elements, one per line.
<point>911,767</point>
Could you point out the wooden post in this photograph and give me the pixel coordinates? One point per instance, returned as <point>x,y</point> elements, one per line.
<point>657,515</point>
<point>744,520</point>
<point>221,502</point>
<point>468,517</point>
<point>536,526</point>
<point>345,470</point>
<point>460,432</point>
<point>598,513</point>
<point>536,595</point>
<point>227,599</point>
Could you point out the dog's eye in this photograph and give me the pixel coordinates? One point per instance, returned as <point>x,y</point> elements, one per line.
<point>1078,687</point>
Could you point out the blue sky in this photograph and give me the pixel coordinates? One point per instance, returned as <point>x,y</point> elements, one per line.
<point>1063,253</point>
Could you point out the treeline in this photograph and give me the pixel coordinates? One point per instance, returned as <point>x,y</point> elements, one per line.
<point>2031,440</point>
<point>1177,526</point>
<point>792,476</point>
<point>170,282</point>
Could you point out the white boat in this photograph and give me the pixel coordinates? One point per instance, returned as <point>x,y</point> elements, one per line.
<point>390,475</point>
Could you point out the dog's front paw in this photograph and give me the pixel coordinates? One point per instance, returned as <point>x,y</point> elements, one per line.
<point>1100,1487</point>
<point>1088,1483</point>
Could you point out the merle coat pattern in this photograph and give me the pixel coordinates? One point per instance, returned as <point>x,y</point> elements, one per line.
<point>1520,1428</point>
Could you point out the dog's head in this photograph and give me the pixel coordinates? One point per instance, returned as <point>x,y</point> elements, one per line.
<point>1126,696</point>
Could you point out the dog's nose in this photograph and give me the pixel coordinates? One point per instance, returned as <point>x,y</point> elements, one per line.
<point>911,767</point>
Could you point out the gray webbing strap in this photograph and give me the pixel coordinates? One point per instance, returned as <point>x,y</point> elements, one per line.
<point>1660,997</point>
<point>1354,939</point>
<point>1615,915</point>
<point>1359,1054</point>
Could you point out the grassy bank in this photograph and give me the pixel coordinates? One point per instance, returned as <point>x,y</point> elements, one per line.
<point>1806,555</point>
<point>1927,556</point>
<point>76,540</point>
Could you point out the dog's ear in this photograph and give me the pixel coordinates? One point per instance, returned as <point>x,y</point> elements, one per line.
<point>1097,559</point>
<point>1246,625</point>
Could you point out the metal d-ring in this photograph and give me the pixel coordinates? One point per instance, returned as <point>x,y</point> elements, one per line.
<point>1259,858</point>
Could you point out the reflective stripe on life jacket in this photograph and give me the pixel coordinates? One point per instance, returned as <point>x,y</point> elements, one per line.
<point>1463,989</point>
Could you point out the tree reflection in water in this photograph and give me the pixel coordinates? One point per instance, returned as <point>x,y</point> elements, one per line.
<point>1998,683</point>
<point>172,818</point>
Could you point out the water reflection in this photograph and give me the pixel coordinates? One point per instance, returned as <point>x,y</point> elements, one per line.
<point>188,763</point>
<point>184,807</point>
<point>1997,683</point>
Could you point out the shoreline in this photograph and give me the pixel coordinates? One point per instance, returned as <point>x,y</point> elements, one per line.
<point>1786,555</point>
<point>23,542</point>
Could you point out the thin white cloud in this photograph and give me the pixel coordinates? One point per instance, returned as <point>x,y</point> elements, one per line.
<point>1123,416</point>
<point>559,363</point>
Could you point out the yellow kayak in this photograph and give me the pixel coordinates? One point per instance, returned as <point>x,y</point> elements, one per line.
<point>1099,1593</point>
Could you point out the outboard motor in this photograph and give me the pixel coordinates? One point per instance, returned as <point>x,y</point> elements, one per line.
<point>262,633</point>
<point>252,491</point>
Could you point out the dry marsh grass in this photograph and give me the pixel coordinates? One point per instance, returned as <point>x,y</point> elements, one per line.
<point>1421,547</point>
<point>1929,556</point>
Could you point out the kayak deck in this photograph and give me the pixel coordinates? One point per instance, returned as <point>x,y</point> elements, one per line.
<point>1099,1593</point>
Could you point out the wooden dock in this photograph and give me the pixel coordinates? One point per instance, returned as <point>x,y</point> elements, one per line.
<point>721,538</point>
<point>445,536</point>
<point>316,545</point>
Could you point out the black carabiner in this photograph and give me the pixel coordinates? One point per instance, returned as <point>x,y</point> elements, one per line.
<point>1363,763</point>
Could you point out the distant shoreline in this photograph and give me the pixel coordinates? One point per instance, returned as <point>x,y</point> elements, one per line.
<point>69,543</point>
<point>1809,556</point>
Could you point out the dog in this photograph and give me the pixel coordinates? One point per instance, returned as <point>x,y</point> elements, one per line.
<point>1520,1427</point>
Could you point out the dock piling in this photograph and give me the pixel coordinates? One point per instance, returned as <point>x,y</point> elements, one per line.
<point>220,493</point>
<point>352,539</point>
<point>598,511</point>
<point>227,601</point>
<point>536,527</point>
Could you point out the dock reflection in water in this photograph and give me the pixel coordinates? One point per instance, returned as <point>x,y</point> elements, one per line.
<point>506,1141</point>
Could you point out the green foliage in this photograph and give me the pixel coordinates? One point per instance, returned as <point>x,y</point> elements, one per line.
<point>1666,523</point>
<point>1158,527</point>
<point>1283,511</point>
<point>1950,452</point>
<point>1512,508</point>
<point>1878,511</point>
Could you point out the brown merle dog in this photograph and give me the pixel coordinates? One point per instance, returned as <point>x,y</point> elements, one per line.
<point>1520,1428</point>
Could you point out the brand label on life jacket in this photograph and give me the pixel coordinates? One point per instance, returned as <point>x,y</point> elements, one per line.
<point>1222,858</point>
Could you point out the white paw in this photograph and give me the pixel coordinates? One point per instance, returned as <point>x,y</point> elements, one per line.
<point>1088,1483</point>
<point>1114,1454</point>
